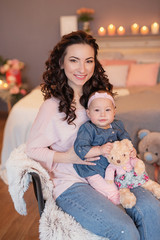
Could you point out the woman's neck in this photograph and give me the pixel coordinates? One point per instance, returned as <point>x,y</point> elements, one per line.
<point>77,95</point>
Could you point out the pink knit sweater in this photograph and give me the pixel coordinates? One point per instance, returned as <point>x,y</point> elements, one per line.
<point>49,130</point>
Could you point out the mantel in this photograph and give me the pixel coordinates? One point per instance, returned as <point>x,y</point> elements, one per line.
<point>150,43</point>
<point>142,48</point>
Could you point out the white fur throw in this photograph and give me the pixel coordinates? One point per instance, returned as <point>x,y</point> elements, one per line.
<point>54,223</point>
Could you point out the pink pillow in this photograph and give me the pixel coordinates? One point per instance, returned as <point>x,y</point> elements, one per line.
<point>143,74</point>
<point>117,74</point>
<point>106,62</point>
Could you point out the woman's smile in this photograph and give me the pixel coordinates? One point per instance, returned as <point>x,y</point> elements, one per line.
<point>80,76</point>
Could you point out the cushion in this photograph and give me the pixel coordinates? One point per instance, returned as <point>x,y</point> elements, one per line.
<point>106,62</point>
<point>117,74</point>
<point>143,74</point>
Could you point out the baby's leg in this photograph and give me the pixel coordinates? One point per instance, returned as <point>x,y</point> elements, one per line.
<point>108,190</point>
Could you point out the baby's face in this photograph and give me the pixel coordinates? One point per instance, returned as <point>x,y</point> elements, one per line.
<point>101,112</point>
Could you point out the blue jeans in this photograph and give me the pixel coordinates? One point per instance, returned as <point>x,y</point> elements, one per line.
<point>100,216</point>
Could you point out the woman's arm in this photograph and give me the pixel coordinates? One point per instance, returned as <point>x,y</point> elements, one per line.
<point>71,157</point>
<point>43,134</point>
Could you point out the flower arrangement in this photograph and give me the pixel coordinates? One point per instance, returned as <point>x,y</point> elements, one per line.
<point>85,14</point>
<point>11,87</point>
<point>12,70</point>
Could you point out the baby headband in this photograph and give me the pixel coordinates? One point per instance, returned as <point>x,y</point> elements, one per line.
<point>101,95</point>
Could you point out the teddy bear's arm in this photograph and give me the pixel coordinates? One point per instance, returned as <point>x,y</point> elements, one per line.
<point>133,153</point>
<point>139,166</point>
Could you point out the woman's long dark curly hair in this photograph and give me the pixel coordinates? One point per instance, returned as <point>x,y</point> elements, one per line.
<point>55,81</point>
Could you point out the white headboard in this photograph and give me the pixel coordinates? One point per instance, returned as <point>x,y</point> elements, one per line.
<point>136,47</point>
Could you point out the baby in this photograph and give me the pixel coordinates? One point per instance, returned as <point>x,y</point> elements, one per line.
<point>95,138</point>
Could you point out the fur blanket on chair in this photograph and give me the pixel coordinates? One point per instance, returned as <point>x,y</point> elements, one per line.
<point>54,223</point>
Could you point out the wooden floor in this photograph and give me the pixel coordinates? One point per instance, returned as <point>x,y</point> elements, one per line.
<point>12,225</point>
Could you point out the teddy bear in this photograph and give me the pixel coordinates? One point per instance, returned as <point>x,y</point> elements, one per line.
<point>149,151</point>
<point>128,173</point>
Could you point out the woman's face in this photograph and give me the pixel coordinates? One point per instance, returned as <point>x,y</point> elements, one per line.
<point>79,64</point>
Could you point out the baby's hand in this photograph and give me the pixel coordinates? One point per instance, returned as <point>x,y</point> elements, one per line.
<point>106,149</point>
<point>133,153</point>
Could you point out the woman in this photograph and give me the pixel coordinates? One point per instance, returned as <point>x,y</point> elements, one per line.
<point>71,69</point>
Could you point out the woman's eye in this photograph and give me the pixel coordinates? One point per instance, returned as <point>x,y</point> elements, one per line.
<point>72,60</point>
<point>156,154</point>
<point>89,61</point>
<point>107,110</point>
<point>96,110</point>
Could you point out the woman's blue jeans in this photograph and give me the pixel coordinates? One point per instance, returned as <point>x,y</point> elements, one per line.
<point>100,216</point>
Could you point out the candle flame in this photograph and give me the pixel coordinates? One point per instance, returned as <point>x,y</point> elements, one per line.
<point>111,26</point>
<point>121,28</point>
<point>5,85</point>
<point>135,25</point>
<point>155,24</point>
<point>101,29</point>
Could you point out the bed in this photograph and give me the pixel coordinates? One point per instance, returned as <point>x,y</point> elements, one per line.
<point>132,66</point>
<point>18,125</point>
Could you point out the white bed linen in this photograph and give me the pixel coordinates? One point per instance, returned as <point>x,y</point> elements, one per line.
<point>18,124</point>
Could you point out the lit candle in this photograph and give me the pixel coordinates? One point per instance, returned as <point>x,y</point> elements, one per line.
<point>101,31</point>
<point>155,28</point>
<point>135,28</point>
<point>144,30</point>
<point>111,29</point>
<point>5,85</point>
<point>1,84</point>
<point>121,30</point>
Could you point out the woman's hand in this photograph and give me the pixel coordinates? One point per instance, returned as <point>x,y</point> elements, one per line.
<point>71,157</point>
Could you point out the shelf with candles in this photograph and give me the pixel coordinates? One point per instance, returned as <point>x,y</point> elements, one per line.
<point>135,30</point>
<point>128,35</point>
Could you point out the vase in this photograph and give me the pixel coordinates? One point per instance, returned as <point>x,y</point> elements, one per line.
<point>86,27</point>
<point>13,76</point>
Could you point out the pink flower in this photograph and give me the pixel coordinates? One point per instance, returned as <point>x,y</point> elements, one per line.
<point>14,90</point>
<point>122,177</point>
<point>23,92</point>
<point>118,184</point>
<point>4,68</point>
<point>130,186</point>
<point>146,177</point>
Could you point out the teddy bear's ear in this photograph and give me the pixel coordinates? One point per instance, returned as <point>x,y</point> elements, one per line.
<point>127,142</point>
<point>142,133</point>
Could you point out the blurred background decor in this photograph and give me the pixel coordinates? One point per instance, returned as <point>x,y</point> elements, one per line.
<point>12,88</point>
<point>85,15</point>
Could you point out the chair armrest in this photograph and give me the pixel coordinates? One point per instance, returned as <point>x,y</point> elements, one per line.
<point>38,191</point>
